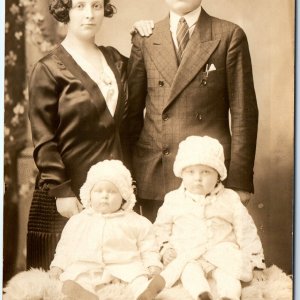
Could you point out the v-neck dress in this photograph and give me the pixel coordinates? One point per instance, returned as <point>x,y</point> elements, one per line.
<point>72,129</point>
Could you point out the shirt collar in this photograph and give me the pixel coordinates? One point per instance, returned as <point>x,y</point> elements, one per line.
<point>191,18</point>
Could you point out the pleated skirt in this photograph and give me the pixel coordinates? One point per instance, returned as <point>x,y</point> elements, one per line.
<point>45,225</point>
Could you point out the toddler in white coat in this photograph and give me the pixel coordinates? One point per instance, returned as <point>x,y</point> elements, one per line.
<point>203,228</point>
<point>107,241</point>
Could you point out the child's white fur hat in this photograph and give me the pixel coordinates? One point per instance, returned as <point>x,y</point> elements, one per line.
<point>113,171</point>
<point>195,150</point>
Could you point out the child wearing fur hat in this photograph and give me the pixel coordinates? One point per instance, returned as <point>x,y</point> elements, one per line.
<point>107,241</point>
<point>203,228</point>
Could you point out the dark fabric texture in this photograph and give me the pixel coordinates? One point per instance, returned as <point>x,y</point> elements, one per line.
<point>148,208</point>
<point>72,128</point>
<point>185,100</point>
<point>45,225</point>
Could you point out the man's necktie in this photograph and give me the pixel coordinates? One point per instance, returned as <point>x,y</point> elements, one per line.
<point>182,34</point>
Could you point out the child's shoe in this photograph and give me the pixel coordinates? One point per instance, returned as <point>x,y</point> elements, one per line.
<point>205,296</point>
<point>155,286</point>
<point>75,291</point>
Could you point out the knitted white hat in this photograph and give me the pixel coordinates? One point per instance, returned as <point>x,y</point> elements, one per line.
<point>113,171</point>
<point>196,150</point>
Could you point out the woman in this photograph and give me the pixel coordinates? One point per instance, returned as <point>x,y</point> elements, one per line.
<point>77,104</point>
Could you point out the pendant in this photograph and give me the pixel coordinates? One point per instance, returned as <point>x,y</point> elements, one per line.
<point>105,78</point>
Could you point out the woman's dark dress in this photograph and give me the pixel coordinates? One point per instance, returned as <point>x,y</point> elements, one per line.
<point>72,129</point>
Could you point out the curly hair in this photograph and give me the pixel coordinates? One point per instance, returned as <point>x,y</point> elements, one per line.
<point>60,9</point>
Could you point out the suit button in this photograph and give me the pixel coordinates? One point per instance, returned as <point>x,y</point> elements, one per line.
<point>199,116</point>
<point>166,151</point>
<point>204,82</point>
<point>165,117</point>
<point>161,83</point>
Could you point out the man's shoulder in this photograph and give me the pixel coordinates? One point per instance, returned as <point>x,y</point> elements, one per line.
<point>223,26</point>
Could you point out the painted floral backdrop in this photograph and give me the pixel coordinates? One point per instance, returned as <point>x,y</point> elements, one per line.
<point>22,19</point>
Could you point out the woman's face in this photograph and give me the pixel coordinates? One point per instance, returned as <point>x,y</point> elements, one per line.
<point>86,17</point>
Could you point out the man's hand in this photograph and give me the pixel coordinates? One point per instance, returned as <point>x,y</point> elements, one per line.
<point>143,27</point>
<point>169,255</point>
<point>244,196</point>
<point>68,206</point>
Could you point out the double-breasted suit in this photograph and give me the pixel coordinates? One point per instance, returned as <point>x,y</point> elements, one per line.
<point>168,102</point>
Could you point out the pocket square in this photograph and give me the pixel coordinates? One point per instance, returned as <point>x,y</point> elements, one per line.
<point>212,68</point>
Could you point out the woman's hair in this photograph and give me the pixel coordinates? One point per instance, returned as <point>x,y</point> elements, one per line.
<point>60,9</point>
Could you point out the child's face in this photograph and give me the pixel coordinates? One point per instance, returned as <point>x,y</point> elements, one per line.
<point>105,197</point>
<point>199,179</point>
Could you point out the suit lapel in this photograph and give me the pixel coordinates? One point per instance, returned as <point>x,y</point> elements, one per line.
<point>162,51</point>
<point>197,52</point>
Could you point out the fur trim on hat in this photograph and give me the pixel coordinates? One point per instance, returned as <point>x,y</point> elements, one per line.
<point>115,172</point>
<point>198,150</point>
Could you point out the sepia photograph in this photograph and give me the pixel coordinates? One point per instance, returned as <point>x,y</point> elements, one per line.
<point>149,150</point>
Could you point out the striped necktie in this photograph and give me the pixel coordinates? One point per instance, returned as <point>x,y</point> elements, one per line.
<point>182,34</point>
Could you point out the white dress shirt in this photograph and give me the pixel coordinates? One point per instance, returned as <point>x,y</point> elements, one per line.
<point>191,18</point>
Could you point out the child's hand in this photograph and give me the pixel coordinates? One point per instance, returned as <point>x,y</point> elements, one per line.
<point>169,255</point>
<point>143,27</point>
<point>259,275</point>
<point>55,272</point>
<point>154,270</point>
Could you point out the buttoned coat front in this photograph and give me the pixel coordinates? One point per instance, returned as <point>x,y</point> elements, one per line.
<point>168,102</point>
<point>122,243</point>
<point>219,223</point>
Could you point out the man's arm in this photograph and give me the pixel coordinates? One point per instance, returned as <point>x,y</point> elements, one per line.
<point>137,89</point>
<point>244,113</point>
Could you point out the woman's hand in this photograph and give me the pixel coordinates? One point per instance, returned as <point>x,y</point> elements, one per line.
<point>68,206</point>
<point>55,272</point>
<point>169,255</point>
<point>143,27</point>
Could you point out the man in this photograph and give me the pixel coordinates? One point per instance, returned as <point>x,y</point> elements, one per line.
<point>184,80</point>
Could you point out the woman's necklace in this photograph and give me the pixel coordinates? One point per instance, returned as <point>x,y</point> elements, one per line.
<point>105,77</point>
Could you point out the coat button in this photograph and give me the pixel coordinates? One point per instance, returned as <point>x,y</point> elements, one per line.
<point>166,151</point>
<point>165,117</point>
<point>199,116</point>
<point>204,82</point>
<point>161,83</point>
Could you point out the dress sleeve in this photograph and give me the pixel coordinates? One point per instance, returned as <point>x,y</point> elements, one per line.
<point>244,112</point>
<point>63,251</point>
<point>44,120</point>
<point>147,243</point>
<point>247,236</point>
<point>137,88</point>
<point>163,224</point>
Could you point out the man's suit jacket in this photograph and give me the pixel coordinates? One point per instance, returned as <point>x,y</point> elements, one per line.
<point>183,100</point>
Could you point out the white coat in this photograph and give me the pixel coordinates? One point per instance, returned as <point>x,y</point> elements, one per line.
<point>218,224</point>
<point>121,244</point>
